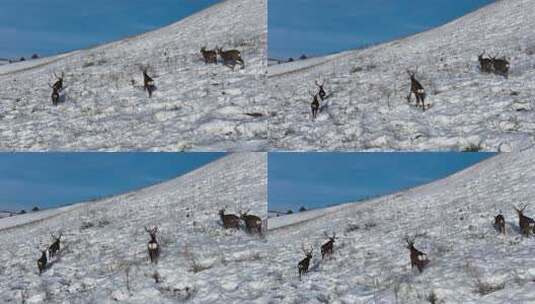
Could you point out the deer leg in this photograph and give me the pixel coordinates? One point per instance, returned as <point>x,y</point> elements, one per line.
<point>409,97</point>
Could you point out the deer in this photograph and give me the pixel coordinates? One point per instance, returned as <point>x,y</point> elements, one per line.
<point>302,267</point>
<point>417,89</point>
<point>230,57</point>
<point>148,83</point>
<point>153,246</point>
<point>501,66</point>
<point>527,224</point>
<point>314,105</point>
<point>58,85</point>
<point>327,248</point>
<point>253,224</point>
<point>55,247</point>
<point>42,261</point>
<point>499,223</point>
<point>418,258</point>
<point>230,221</point>
<point>485,64</point>
<point>321,91</point>
<point>210,56</point>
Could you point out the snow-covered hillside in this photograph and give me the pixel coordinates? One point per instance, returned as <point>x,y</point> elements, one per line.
<point>452,220</point>
<point>367,107</point>
<point>105,258</point>
<point>195,106</point>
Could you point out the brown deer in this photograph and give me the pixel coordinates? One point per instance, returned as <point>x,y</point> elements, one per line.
<point>42,261</point>
<point>230,221</point>
<point>500,66</point>
<point>418,258</point>
<point>327,248</point>
<point>153,246</point>
<point>526,224</point>
<point>210,56</point>
<point>148,83</point>
<point>230,57</point>
<point>58,85</point>
<point>499,223</point>
<point>253,224</point>
<point>321,91</point>
<point>302,267</point>
<point>485,64</point>
<point>55,247</point>
<point>417,89</point>
<point>314,105</point>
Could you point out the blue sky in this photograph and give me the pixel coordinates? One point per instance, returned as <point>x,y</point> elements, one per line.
<point>315,27</point>
<point>53,179</point>
<point>55,26</point>
<point>316,180</point>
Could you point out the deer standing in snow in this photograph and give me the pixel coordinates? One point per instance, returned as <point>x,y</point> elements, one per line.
<point>55,247</point>
<point>253,224</point>
<point>417,89</point>
<point>527,224</point>
<point>148,83</point>
<point>314,105</point>
<point>499,223</point>
<point>42,261</point>
<point>302,267</point>
<point>230,221</point>
<point>57,87</point>
<point>327,248</point>
<point>230,57</point>
<point>485,64</point>
<point>501,66</point>
<point>418,258</point>
<point>153,246</point>
<point>321,91</point>
<point>210,56</point>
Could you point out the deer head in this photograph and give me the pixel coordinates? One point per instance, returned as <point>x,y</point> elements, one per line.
<point>308,253</point>
<point>152,231</point>
<point>520,210</point>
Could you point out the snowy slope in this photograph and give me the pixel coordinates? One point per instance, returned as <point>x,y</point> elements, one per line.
<point>104,242</point>
<point>452,219</point>
<point>368,110</point>
<point>195,107</point>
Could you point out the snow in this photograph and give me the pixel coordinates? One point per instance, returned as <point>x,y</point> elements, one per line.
<point>104,243</point>
<point>196,107</point>
<point>452,220</point>
<point>367,107</point>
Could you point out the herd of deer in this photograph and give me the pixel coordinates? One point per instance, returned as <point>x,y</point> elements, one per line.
<point>418,258</point>
<point>51,250</point>
<point>230,58</point>
<point>253,224</point>
<point>498,66</point>
<point>526,224</point>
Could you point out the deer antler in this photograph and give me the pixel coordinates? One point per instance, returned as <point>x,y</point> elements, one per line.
<point>410,241</point>
<point>319,85</point>
<point>152,230</point>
